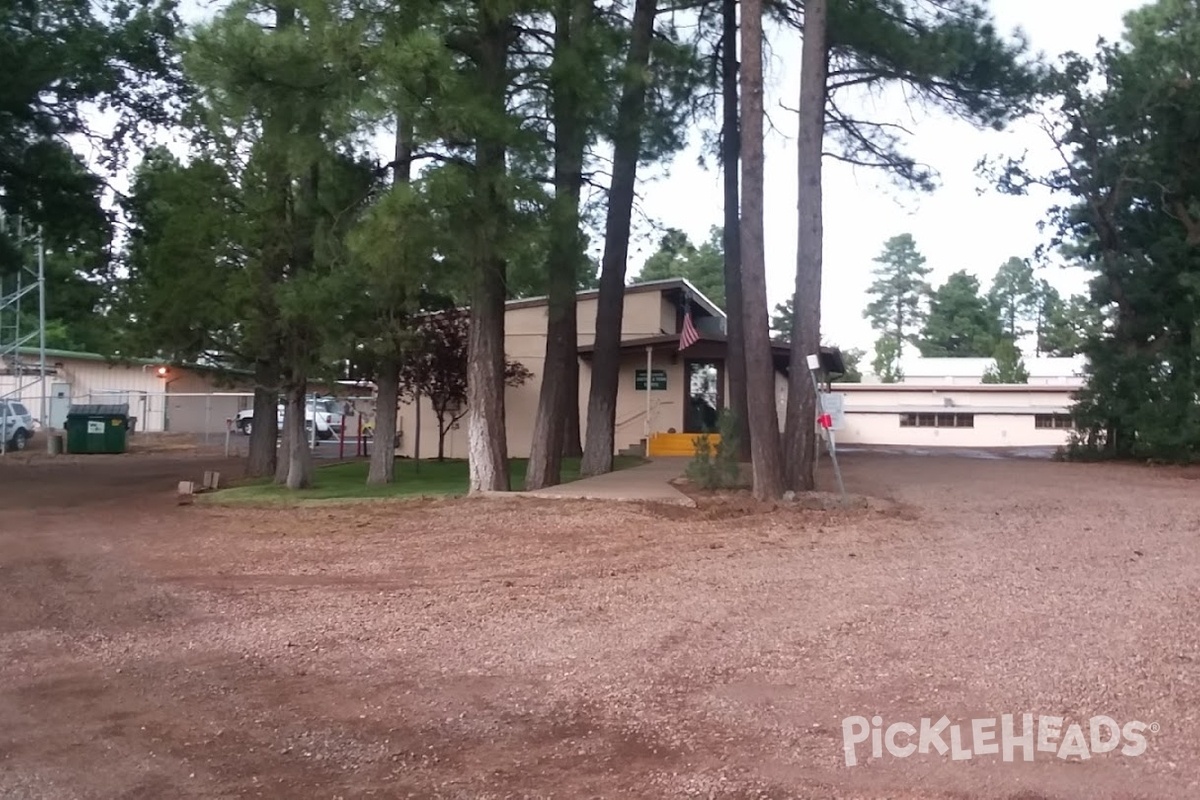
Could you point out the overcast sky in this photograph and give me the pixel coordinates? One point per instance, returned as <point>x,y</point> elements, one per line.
<point>955,228</point>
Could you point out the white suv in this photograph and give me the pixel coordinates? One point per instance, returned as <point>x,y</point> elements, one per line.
<point>16,424</point>
<point>325,413</point>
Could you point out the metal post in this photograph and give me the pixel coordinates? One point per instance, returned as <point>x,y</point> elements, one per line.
<point>208,418</point>
<point>649,370</point>
<point>41,276</point>
<point>228,433</point>
<point>312,435</point>
<point>826,435</point>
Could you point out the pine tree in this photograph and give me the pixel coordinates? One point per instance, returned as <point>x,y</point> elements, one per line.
<point>1009,367</point>
<point>900,290</point>
<point>960,322</point>
<point>765,447</point>
<point>1014,295</point>
<point>1125,127</point>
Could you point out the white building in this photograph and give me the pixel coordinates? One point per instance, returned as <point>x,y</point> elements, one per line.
<point>182,399</point>
<point>942,402</point>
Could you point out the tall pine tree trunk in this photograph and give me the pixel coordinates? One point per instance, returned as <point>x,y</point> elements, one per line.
<point>300,464</point>
<point>264,456</point>
<point>572,19</point>
<point>760,369</point>
<point>487,446</point>
<point>387,399</point>
<point>383,458</point>
<point>735,358</point>
<point>264,431</point>
<point>800,436</point>
<point>610,305</point>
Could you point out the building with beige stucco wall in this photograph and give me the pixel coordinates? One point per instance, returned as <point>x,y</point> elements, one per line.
<point>940,403</point>
<point>651,322</point>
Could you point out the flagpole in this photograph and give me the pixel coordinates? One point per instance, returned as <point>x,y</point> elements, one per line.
<point>649,372</point>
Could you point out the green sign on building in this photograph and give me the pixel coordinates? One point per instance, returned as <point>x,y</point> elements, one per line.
<point>658,380</point>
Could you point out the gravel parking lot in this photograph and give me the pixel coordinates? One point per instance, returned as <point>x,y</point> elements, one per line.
<point>521,648</point>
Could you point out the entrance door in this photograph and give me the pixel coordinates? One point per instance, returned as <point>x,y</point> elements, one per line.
<point>704,394</point>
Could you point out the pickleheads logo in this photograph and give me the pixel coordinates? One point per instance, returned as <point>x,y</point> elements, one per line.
<point>1004,736</point>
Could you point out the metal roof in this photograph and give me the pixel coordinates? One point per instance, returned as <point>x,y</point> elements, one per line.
<point>919,367</point>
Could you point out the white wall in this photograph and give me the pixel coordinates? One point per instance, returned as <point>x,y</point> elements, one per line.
<point>148,395</point>
<point>990,430</point>
<point>1004,416</point>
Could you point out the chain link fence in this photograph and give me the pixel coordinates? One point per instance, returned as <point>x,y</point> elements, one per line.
<point>343,429</point>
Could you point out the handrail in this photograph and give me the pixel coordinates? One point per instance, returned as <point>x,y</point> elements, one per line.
<point>642,413</point>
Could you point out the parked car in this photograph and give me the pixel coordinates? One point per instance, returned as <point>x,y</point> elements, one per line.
<point>324,411</point>
<point>16,424</point>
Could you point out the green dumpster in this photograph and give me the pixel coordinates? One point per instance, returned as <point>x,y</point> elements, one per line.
<point>97,428</point>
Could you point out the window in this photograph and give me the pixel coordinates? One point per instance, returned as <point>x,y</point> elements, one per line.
<point>937,420</point>
<point>20,410</point>
<point>1053,421</point>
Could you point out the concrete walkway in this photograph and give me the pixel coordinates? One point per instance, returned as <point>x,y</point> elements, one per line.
<point>645,482</point>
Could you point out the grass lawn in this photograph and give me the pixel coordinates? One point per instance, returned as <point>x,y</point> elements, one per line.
<point>348,481</point>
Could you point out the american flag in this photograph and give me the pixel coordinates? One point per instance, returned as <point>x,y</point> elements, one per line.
<point>690,335</point>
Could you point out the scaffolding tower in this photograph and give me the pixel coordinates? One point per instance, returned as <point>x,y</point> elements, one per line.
<point>22,341</point>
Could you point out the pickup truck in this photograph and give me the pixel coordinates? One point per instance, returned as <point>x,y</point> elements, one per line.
<point>324,411</point>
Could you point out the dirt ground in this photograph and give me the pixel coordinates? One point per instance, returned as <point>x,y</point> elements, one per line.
<point>513,648</point>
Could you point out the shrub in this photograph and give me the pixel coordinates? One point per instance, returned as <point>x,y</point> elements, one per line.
<point>716,467</point>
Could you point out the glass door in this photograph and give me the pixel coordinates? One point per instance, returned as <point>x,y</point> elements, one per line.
<point>704,395</point>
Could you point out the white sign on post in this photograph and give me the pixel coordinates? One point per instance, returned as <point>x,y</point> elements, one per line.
<point>834,404</point>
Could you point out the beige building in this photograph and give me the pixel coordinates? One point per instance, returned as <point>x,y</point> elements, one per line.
<point>686,388</point>
<point>941,402</point>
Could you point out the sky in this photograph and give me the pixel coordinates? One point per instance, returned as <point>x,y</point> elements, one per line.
<point>955,227</point>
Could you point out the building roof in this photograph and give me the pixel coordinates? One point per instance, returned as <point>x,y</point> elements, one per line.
<point>917,367</point>
<point>116,358</point>
<point>958,388</point>
<point>78,355</point>
<point>664,285</point>
<point>780,352</point>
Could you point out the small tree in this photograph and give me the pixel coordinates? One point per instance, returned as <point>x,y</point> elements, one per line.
<point>437,369</point>
<point>887,360</point>
<point>851,359</point>
<point>1009,366</point>
<point>716,466</point>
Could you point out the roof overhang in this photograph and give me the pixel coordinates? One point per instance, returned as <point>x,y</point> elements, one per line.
<point>707,343</point>
<point>675,288</point>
